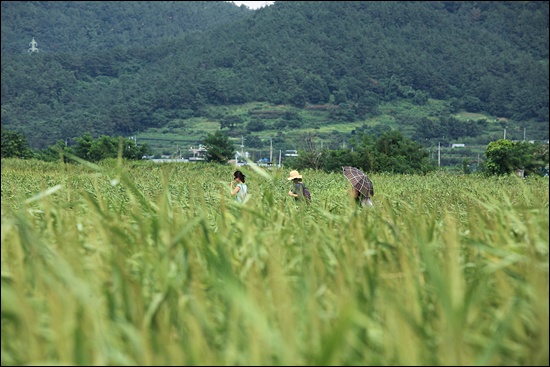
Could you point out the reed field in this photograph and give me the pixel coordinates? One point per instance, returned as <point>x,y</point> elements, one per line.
<point>143,263</point>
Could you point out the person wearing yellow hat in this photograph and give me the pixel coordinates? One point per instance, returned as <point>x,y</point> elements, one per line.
<point>298,188</point>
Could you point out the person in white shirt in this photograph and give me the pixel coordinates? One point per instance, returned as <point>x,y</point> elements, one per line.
<point>239,190</point>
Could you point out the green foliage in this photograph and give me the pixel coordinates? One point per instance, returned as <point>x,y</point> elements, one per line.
<point>391,152</point>
<point>448,128</point>
<point>255,125</point>
<point>466,169</point>
<point>505,157</point>
<point>218,147</point>
<point>54,152</point>
<point>105,147</point>
<point>502,157</point>
<point>230,122</point>
<point>119,68</point>
<point>14,145</point>
<point>79,27</point>
<point>397,154</point>
<point>334,160</point>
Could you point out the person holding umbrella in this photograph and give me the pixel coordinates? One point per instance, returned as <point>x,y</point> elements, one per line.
<point>359,198</point>
<point>362,188</point>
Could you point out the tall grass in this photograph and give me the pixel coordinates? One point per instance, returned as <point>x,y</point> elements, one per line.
<point>148,264</point>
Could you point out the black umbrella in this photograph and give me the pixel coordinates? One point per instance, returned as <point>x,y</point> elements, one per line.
<point>359,181</point>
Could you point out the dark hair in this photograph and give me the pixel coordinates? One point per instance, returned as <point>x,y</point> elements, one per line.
<point>239,175</point>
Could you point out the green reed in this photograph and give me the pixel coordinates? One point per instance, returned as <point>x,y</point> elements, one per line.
<point>138,263</point>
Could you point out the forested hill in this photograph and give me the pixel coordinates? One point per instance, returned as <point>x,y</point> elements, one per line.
<point>475,56</point>
<point>80,26</point>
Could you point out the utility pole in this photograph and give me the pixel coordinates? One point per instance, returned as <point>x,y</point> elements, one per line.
<point>242,147</point>
<point>270,150</point>
<point>524,135</point>
<point>439,154</point>
<point>505,132</point>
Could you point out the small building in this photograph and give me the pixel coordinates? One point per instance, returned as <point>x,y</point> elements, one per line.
<point>199,154</point>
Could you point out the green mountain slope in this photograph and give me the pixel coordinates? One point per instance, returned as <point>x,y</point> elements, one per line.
<point>81,26</point>
<point>335,67</point>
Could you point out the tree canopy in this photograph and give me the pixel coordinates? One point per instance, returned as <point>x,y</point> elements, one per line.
<point>218,147</point>
<point>505,157</point>
<point>391,152</point>
<point>14,145</point>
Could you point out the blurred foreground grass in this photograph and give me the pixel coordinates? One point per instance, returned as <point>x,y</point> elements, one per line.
<point>154,264</point>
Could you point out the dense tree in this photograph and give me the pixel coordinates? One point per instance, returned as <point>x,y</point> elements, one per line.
<point>253,141</point>
<point>391,152</point>
<point>218,147</point>
<point>397,154</point>
<point>54,152</point>
<point>505,157</point>
<point>502,157</point>
<point>104,147</point>
<point>14,145</point>
<point>334,160</point>
<point>255,125</point>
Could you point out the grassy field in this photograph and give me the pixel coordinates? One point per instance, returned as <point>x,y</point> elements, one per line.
<point>137,263</point>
